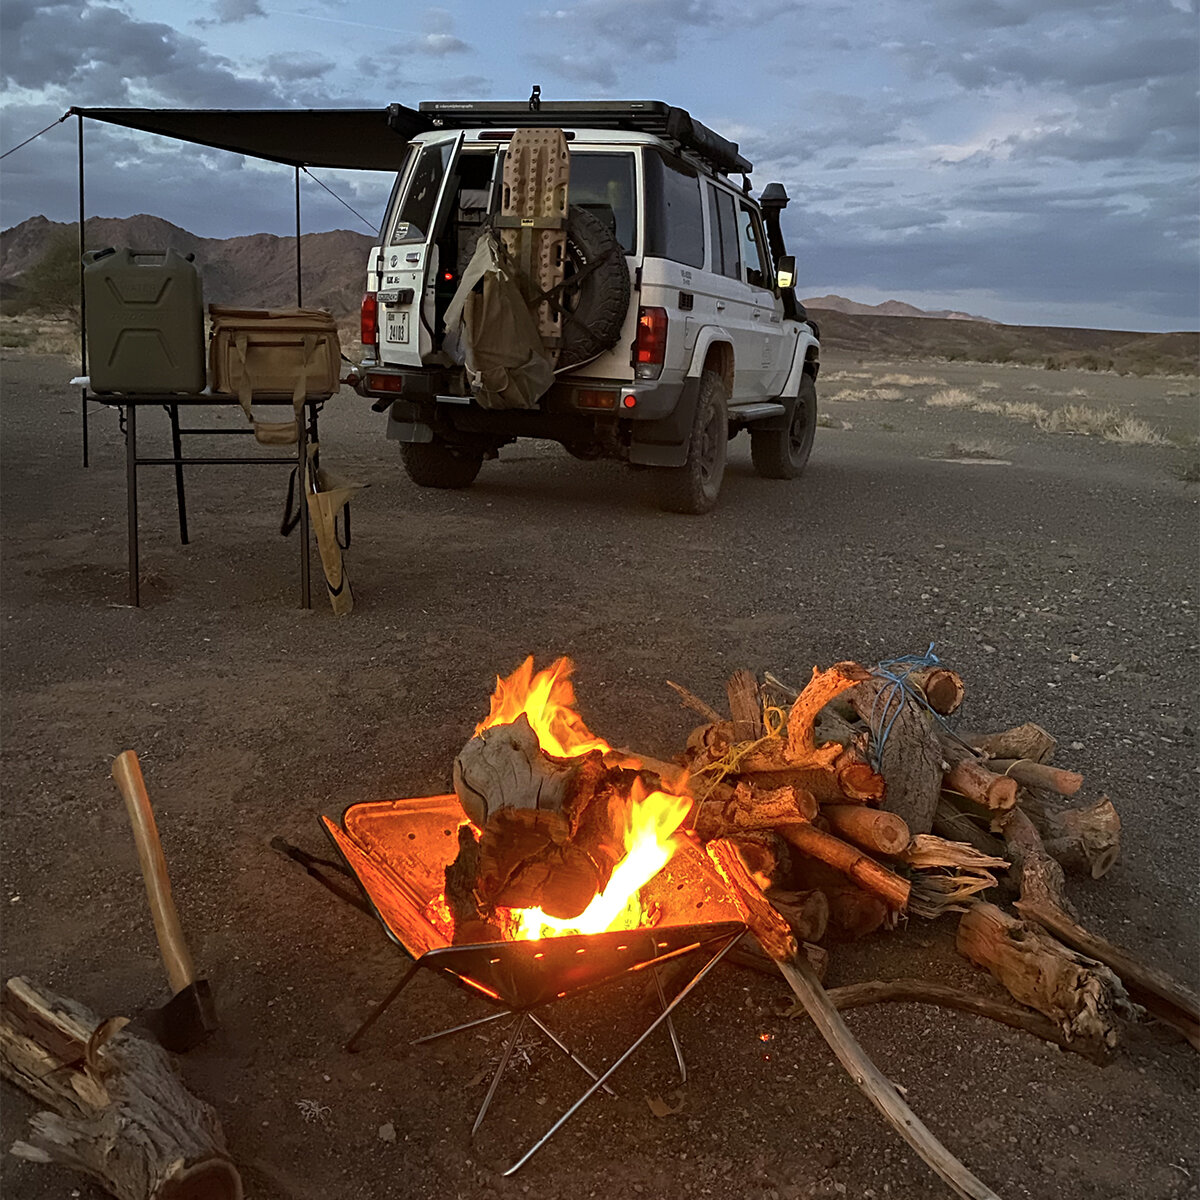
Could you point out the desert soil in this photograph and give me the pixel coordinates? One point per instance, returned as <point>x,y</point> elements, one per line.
<point>1058,574</point>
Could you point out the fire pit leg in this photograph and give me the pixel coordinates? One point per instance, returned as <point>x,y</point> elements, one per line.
<point>381,1008</point>
<point>684,992</point>
<point>570,1053</point>
<point>518,1025</point>
<point>662,999</point>
<point>445,1033</point>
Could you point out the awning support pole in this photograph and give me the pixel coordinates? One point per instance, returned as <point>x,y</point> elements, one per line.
<point>83,366</point>
<point>299,290</point>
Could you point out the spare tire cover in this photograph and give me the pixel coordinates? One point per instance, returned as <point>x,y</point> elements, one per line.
<point>595,307</point>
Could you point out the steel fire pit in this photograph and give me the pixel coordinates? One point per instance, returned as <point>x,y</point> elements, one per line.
<point>398,850</point>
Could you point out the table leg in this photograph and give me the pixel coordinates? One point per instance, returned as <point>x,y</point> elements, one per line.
<point>177,453</point>
<point>131,500</point>
<point>84,416</point>
<point>302,482</point>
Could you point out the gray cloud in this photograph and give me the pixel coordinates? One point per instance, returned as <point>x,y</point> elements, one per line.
<point>295,67</point>
<point>231,12</point>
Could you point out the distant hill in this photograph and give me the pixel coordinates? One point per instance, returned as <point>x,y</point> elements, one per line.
<point>889,308</point>
<point>39,267</point>
<point>258,271</point>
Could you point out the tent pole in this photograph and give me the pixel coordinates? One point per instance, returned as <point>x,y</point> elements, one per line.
<point>299,290</point>
<point>83,366</point>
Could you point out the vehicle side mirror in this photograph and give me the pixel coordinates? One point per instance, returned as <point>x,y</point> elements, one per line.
<point>785,271</point>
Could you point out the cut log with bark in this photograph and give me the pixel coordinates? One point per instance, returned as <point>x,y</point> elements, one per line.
<point>1037,775</point>
<point>121,1114</point>
<point>753,808</point>
<point>1027,741</point>
<point>942,688</point>
<point>968,777</point>
<point>745,706</point>
<point>1163,997</point>
<point>911,759</point>
<point>806,912</point>
<point>876,830</point>
<point>1085,838</point>
<point>1082,995</point>
<point>866,873</point>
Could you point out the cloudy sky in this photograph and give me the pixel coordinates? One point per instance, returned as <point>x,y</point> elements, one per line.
<point>1034,161</point>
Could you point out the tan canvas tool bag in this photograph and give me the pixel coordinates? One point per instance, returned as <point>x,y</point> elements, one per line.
<point>281,354</point>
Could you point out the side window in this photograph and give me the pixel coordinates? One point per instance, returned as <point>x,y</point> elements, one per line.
<point>726,245</point>
<point>674,222</point>
<point>420,196</point>
<point>754,252</point>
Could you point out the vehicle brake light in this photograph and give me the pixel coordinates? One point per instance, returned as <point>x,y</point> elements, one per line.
<point>369,320</point>
<point>650,349</point>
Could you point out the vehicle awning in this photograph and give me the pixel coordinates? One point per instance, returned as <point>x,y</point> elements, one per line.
<point>366,139</point>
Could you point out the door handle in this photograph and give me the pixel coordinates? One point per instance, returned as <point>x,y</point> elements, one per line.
<point>720,306</point>
<point>754,314</point>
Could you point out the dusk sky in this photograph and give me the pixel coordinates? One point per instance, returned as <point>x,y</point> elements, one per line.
<point>1032,161</point>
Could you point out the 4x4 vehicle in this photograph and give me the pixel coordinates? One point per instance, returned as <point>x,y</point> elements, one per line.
<point>680,327</point>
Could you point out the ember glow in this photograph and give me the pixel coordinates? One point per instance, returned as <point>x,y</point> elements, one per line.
<point>546,699</point>
<point>653,819</point>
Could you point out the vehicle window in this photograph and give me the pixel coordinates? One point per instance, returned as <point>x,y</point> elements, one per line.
<point>725,242</point>
<point>604,185</point>
<point>755,259</point>
<point>674,220</point>
<point>420,196</point>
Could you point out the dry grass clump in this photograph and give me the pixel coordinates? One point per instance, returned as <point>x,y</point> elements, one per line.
<point>1025,410</point>
<point>902,380</point>
<point>989,385</point>
<point>890,394</point>
<point>952,398</point>
<point>1078,418</point>
<point>1077,391</point>
<point>40,335</point>
<point>1032,387</point>
<point>1133,431</point>
<point>843,376</point>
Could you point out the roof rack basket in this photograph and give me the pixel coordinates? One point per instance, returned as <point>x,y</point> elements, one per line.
<point>641,116</point>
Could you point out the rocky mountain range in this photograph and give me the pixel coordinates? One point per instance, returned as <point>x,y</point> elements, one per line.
<point>259,271</point>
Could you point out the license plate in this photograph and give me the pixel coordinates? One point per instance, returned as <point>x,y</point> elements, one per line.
<point>397,327</point>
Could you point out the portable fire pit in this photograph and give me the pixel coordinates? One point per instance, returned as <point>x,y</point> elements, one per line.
<point>400,850</point>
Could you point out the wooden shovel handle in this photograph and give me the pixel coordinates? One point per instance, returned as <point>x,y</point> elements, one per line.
<point>127,772</point>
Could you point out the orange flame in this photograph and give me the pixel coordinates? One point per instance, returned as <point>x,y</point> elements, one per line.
<point>649,843</point>
<point>546,699</point>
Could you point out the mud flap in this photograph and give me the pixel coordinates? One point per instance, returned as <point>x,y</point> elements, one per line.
<point>664,442</point>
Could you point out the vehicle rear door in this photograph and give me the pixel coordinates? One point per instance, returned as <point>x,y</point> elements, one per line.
<point>409,252</point>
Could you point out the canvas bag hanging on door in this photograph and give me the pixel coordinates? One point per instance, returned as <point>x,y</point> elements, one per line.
<point>277,354</point>
<point>327,495</point>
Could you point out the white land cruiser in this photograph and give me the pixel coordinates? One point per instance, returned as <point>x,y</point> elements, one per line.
<point>680,326</point>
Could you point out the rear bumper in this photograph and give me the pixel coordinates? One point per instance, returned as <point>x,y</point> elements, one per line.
<point>653,431</point>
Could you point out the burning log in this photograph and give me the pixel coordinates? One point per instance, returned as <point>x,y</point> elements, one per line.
<point>121,1114</point>
<point>1082,995</point>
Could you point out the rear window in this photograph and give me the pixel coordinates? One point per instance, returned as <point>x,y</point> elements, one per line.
<point>725,239</point>
<point>604,185</point>
<point>674,218</point>
<point>420,195</point>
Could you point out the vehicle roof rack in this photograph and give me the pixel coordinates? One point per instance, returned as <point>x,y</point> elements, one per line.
<point>642,116</point>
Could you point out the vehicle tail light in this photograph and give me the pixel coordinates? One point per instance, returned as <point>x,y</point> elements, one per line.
<point>381,382</point>
<point>650,349</point>
<point>369,321</point>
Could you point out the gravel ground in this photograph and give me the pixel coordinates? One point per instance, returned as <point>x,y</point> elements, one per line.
<point>1058,576</point>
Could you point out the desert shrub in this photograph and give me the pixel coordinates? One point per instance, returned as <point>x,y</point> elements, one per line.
<point>951,398</point>
<point>1025,410</point>
<point>1133,431</point>
<point>902,380</point>
<point>984,448</point>
<point>52,283</point>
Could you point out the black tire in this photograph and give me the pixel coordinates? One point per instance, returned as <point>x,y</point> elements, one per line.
<point>694,487</point>
<point>783,453</point>
<point>437,465</point>
<point>596,307</point>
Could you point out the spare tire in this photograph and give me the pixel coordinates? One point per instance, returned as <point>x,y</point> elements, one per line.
<point>594,308</point>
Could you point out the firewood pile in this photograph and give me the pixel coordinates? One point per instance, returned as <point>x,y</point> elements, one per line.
<point>828,813</point>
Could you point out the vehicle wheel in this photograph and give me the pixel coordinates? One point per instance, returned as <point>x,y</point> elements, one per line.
<point>587,451</point>
<point>437,465</point>
<point>594,307</point>
<point>693,488</point>
<point>783,453</point>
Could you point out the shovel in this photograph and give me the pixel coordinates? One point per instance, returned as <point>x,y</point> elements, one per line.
<point>189,1016</point>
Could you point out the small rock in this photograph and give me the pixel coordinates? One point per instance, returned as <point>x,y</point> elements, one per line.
<point>387,1133</point>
